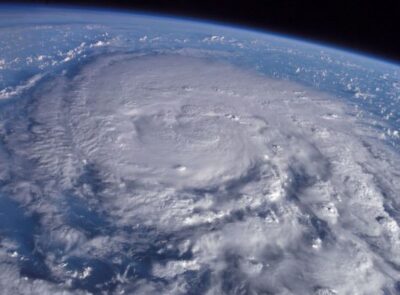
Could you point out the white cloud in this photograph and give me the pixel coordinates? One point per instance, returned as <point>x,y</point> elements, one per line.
<point>284,188</point>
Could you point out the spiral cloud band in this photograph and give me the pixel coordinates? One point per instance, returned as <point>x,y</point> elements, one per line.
<point>175,174</point>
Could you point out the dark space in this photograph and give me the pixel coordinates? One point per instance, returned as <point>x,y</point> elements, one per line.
<point>367,26</point>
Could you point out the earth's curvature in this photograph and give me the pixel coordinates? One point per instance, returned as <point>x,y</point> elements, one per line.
<point>149,155</point>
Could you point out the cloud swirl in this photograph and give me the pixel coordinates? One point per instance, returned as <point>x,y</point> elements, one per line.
<point>171,174</point>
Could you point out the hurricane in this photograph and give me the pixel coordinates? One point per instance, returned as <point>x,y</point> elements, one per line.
<point>150,155</point>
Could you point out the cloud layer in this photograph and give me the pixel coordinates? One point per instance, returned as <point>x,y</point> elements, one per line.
<point>171,174</point>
